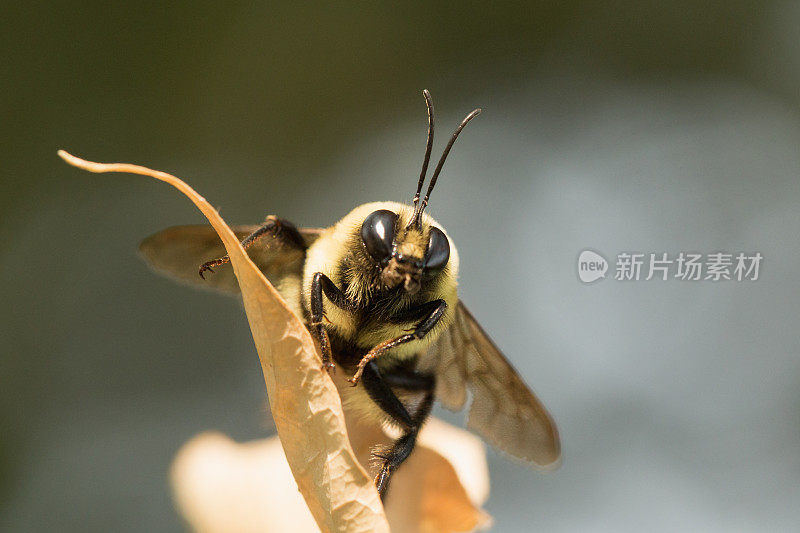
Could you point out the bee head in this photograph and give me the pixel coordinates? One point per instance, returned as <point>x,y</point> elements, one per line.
<point>410,253</point>
<point>407,254</point>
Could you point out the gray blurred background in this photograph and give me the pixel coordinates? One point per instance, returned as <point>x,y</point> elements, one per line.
<point>622,126</point>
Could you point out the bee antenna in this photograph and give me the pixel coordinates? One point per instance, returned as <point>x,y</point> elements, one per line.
<point>416,219</point>
<point>427,159</point>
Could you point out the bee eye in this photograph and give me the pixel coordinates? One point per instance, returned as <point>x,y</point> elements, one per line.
<point>377,232</point>
<point>438,250</point>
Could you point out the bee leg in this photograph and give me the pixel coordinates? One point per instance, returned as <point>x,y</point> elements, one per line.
<point>277,226</point>
<point>381,393</point>
<point>321,283</point>
<point>438,309</point>
<point>409,380</point>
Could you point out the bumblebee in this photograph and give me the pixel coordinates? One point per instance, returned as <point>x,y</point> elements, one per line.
<point>378,291</point>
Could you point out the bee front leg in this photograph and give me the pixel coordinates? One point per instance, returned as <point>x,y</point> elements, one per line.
<point>422,329</point>
<point>319,284</point>
<point>277,226</point>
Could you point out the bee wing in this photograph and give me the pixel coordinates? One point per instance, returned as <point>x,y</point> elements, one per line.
<point>504,410</point>
<point>179,251</point>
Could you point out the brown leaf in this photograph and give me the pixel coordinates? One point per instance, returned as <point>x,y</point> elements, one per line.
<point>223,486</point>
<point>305,403</point>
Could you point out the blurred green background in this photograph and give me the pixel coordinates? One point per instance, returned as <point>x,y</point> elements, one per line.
<point>619,126</point>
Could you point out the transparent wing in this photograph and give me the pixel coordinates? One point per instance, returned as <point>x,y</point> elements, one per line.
<point>504,410</point>
<point>179,251</point>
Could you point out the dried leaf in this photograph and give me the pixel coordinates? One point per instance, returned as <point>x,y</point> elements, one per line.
<point>305,403</point>
<point>223,486</point>
<point>440,488</point>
